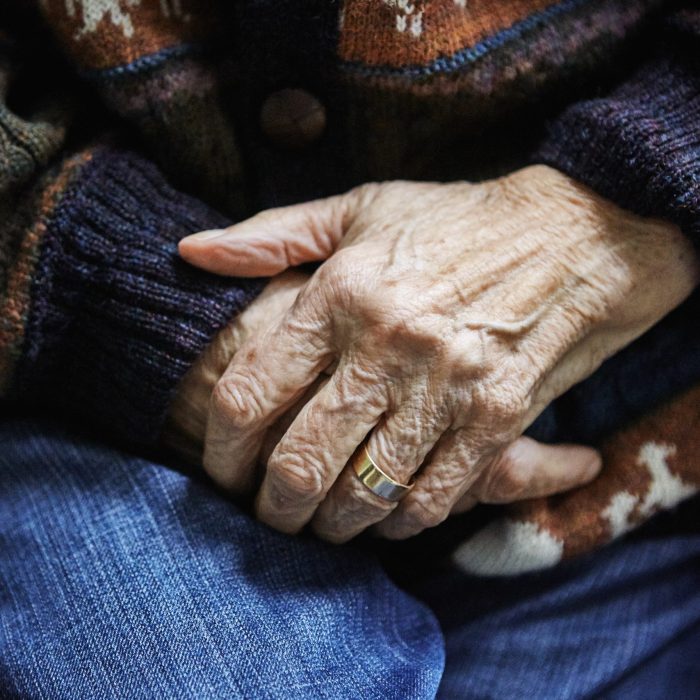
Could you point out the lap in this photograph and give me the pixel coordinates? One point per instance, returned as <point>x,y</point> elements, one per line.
<point>622,622</point>
<point>123,578</point>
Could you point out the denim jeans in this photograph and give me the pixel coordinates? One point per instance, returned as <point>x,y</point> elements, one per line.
<point>122,578</point>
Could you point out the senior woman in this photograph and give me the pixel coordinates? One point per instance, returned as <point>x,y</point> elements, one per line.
<point>384,391</point>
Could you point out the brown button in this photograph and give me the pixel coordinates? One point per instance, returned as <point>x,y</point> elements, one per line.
<point>292,118</point>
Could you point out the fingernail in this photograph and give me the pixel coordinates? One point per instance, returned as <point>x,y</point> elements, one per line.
<point>206,235</point>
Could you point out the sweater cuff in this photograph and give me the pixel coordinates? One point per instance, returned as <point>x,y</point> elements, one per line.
<point>116,316</point>
<point>640,147</point>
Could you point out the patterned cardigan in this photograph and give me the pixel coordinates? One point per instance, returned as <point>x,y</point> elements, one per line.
<point>126,124</point>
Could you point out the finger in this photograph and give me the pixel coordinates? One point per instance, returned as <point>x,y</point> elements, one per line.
<point>529,469</point>
<point>276,239</point>
<point>317,446</point>
<point>265,378</point>
<point>523,469</point>
<point>553,468</point>
<point>453,466</point>
<point>464,504</point>
<point>277,431</point>
<point>457,461</point>
<point>398,445</point>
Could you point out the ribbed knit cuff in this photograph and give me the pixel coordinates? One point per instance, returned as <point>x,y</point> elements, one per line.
<point>640,147</point>
<point>117,317</point>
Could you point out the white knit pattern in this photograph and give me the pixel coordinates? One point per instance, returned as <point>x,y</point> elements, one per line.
<point>665,490</point>
<point>408,19</point>
<point>93,12</point>
<point>507,547</point>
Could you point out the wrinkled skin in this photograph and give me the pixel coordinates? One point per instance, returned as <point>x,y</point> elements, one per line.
<point>447,316</point>
<point>187,416</point>
<point>526,469</point>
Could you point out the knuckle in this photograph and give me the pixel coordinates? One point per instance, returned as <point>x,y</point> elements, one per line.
<point>504,404</point>
<point>339,283</point>
<point>399,449</point>
<point>360,391</point>
<point>349,516</point>
<point>489,382</point>
<point>296,481</point>
<point>466,357</point>
<point>338,272</point>
<point>508,478</point>
<point>237,399</point>
<point>421,513</point>
<point>398,326</point>
<point>365,192</point>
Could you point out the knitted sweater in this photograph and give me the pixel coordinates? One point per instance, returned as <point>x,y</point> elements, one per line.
<point>127,124</point>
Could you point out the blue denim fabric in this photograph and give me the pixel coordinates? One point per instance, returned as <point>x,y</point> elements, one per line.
<point>622,622</point>
<point>120,578</point>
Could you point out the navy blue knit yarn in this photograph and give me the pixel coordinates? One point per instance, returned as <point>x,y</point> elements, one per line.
<point>640,147</point>
<point>117,317</point>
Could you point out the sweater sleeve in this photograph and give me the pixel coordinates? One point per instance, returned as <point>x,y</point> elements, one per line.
<point>640,145</point>
<point>116,317</point>
<point>99,317</point>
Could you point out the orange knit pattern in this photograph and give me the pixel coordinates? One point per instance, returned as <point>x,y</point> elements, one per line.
<point>403,32</point>
<point>108,33</point>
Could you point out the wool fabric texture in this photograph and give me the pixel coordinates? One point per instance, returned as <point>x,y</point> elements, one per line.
<point>127,124</point>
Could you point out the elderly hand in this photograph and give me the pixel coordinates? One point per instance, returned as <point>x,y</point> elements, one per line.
<point>187,417</point>
<point>525,469</point>
<point>448,316</point>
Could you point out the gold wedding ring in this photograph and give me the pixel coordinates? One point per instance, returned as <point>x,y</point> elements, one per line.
<point>375,479</point>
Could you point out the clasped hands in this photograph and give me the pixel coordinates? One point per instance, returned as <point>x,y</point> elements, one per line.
<point>444,319</point>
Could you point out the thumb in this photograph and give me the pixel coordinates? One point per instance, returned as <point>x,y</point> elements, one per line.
<point>275,239</point>
<point>529,469</point>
